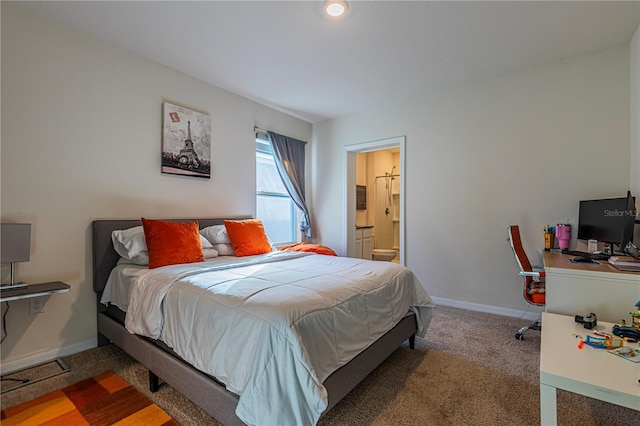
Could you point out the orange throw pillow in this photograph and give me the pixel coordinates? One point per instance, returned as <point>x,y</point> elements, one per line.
<point>247,237</point>
<point>171,243</point>
<point>311,248</point>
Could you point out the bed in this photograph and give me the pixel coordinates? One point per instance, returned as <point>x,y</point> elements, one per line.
<point>176,365</point>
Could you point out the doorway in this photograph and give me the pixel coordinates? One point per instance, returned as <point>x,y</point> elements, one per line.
<point>396,144</point>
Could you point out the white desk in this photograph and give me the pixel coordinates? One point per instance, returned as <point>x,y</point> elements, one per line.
<point>588,371</point>
<point>579,289</point>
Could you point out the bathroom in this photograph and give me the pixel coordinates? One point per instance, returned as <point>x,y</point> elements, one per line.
<point>378,173</point>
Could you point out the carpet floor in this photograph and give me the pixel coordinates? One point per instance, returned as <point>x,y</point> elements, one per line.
<point>468,370</point>
<point>105,399</point>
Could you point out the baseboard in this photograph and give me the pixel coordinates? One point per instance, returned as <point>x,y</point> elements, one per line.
<point>528,315</point>
<point>31,361</point>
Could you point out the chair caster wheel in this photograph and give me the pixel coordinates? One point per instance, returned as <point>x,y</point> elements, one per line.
<point>519,336</point>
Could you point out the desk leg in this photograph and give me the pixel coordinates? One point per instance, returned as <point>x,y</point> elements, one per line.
<point>63,369</point>
<point>548,406</point>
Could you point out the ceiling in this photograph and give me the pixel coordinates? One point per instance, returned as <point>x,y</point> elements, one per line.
<point>289,56</point>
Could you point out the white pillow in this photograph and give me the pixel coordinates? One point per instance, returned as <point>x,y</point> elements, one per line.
<point>129,242</point>
<point>131,245</point>
<point>224,249</point>
<point>216,234</point>
<point>209,253</point>
<point>205,243</point>
<point>139,259</point>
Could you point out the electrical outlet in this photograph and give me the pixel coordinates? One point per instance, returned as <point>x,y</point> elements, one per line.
<point>36,305</point>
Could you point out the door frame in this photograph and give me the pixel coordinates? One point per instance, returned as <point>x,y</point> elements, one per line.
<point>350,189</point>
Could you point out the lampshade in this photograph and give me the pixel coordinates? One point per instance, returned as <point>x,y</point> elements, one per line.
<point>15,241</point>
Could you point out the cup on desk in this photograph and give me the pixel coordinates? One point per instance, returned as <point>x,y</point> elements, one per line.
<point>548,241</point>
<point>563,234</point>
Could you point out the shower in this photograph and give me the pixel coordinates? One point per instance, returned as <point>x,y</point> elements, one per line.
<point>389,177</point>
<point>386,234</point>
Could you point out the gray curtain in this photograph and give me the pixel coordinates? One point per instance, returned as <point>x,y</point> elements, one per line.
<point>289,157</point>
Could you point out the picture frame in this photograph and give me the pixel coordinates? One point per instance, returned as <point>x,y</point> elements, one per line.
<point>361,197</point>
<point>186,141</point>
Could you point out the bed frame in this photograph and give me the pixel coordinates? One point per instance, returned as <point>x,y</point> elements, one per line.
<point>202,389</point>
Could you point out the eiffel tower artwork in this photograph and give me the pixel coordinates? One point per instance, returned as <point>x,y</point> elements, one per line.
<point>188,157</point>
<point>186,148</point>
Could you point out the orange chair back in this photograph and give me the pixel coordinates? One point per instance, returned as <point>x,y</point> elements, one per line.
<point>518,250</point>
<point>525,265</point>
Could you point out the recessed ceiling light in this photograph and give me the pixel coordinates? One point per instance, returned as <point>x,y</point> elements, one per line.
<point>335,8</point>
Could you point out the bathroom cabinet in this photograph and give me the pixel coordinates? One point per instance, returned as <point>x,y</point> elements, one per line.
<point>364,242</point>
<point>358,253</point>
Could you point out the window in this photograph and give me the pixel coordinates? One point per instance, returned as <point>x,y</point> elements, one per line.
<point>274,206</point>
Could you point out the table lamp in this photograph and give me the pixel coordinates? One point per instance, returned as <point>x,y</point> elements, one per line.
<point>15,246</point>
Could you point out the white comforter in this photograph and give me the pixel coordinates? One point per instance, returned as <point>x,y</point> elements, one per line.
<point>274,327</point>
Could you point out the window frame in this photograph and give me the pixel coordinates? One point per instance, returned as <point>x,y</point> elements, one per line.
<point>294,210</point>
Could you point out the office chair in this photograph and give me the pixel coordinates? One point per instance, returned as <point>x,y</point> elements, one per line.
<point>533,278</point>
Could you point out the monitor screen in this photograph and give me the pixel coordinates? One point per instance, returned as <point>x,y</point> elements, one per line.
<point>602,220</point>
<point>628,222</point>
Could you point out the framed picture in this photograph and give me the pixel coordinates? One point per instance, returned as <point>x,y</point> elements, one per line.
<point>361,197</point>
<point>186,141</point>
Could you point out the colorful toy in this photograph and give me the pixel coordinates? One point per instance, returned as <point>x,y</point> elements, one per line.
<point>599,340</point>
<point>630,333</point>
<point>587,321</point>
<point>604,342</point>
<point>635,316</point>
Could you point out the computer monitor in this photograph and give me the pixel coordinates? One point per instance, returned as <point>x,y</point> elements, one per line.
<point>603,220</point>
<point>629,222</point>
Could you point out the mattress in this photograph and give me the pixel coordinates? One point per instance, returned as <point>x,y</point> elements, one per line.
<point>272,327</point>
<point>124,275</point>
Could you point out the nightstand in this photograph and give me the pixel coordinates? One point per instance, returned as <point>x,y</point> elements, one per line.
<point>34,290</point>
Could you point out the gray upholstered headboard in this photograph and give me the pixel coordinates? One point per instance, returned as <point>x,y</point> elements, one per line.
<point>105,257</point>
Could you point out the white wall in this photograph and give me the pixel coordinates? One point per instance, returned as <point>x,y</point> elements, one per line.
<point>81,140</point>
<point>523,148</point>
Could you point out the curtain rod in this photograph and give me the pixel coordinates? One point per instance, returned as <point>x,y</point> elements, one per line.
<point>257,128</point>
<point>386,176</point>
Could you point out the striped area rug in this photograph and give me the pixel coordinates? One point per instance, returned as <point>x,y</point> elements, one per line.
<point>105,399</point>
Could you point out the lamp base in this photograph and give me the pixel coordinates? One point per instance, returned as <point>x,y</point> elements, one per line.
<point>9,287</point>
<point>14,285</point>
